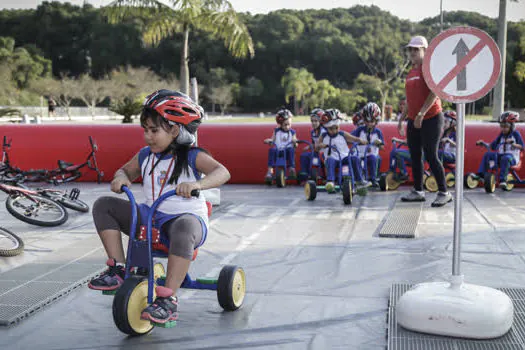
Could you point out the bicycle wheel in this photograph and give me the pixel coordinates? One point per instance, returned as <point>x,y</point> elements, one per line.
<point>10,244</point>
<point>65,200</point>
<point>36,210</point>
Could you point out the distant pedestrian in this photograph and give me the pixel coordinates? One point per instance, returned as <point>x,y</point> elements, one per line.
<point>51,106</point>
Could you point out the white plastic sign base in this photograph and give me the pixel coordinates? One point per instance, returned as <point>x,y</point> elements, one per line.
<point>213,195</point>
<point>456,309</point>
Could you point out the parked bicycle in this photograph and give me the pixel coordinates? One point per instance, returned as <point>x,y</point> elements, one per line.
<point>10,244</point>
<point>31,207</point>
<point>66,172</point>
<point>68,199</point>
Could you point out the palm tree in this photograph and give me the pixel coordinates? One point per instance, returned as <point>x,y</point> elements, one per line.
<point>297,83</point>
<point>216,17</point>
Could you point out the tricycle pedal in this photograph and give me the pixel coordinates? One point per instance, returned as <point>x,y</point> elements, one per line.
<point>169,324</point>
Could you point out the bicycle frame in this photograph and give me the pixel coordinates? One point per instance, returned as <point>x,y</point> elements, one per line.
<point>56,176</point>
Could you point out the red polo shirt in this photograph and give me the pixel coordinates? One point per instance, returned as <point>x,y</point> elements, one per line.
<point>417,92</point>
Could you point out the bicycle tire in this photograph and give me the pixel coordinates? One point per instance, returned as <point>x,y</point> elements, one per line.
<point>18,246</point>
<point>10,204</point>
<point>74,204</point>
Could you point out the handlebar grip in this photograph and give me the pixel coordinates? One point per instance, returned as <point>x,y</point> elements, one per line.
<point>195,193</point>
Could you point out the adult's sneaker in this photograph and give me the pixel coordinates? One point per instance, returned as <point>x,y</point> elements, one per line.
<point>414,196</point>
<point>442,198</point>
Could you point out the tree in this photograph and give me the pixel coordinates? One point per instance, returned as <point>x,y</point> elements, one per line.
<point>216,17</point>
<point>129,87</point>
<point>63,90</point>
<point>380,49</point>
<point>323,91</point>
<point>92,91</point>
<point>297,83</point>
<point>223,95</point>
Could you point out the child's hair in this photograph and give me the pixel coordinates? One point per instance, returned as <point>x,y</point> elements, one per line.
<point>179,151</point>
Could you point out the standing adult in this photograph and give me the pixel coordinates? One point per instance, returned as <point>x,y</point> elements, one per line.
<point>424,127</point>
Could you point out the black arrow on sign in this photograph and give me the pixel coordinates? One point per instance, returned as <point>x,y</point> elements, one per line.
<point>461,51</point>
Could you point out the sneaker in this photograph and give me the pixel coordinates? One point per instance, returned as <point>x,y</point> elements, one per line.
<point>503,185</point>
<point>442,198</point>
<point>375,184</point>
<point>163,309</point>
<point>403,177</point>
<point>364,183</point>
<point>330,186</point>
<point>111,279</point>
<point>414,196</point>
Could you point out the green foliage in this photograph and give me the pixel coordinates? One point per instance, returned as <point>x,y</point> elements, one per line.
<point>336,45</point>
<point>10,112</point>
<point>127,108</point>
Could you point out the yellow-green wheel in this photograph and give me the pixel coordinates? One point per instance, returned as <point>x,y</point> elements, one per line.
<point>391,183</point>
<point>450,179</point>
<point>490,182</point>
<point>158,271</point>
<point>431,184</point>
<point>310,190</point>
<point>280,178</point>
<point>510,183</point>
<point>231,287</point>
<point>471,181</point>
<point>129,301</point>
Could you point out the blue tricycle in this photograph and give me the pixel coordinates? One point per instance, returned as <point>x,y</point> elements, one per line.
<point>142,275</point>
<point>345,182</point>
<point>281,165</point>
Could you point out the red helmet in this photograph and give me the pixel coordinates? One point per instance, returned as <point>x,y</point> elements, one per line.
<point>510,118</point>
<point>331,117</point>
<point>371,112</point>
<point>282,115</point>
<point>317,113</point>
<point>453,118</point>
<point>357,119</point>
<point>176,108</point>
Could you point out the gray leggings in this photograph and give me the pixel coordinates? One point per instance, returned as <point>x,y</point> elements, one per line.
<point>184,232</point>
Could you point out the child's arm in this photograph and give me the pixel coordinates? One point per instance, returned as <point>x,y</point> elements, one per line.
<point>128,173</point>
<point>519,141</point>
<point>380,143</point>
<point>294,139</point>
<point>216,175</point>
<point>352,138</point>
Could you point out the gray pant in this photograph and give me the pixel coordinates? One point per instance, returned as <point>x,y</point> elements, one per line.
<point>184,232</point>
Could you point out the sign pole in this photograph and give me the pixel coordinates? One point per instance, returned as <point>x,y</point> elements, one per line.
<point>458,202</point>
<point>461,65</point>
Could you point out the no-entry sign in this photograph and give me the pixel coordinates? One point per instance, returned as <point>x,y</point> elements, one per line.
<point>462,64</point>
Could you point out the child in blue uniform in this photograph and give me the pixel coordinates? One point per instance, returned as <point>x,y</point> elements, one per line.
<point>315,133</point>
<point>281,138</point>
<point>339,140</point>
<point>447,151</point>
<point>170,120</point>
<point>508,145</point>
<point>371,114</point>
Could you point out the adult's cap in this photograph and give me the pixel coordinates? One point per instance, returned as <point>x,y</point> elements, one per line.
<point>418,41</point>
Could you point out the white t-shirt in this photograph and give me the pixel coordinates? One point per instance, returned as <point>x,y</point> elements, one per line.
<point>161,173</point>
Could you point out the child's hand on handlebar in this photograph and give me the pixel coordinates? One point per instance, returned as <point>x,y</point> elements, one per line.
<point>118,182</point>
<point>363,142</point>
<point>320,146</point>
<point>479,142</point>
<point>511,141</point>
<point>268,141</point>
<point>184,189</point>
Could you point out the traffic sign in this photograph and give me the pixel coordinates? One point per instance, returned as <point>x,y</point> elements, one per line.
<point>462,64</point>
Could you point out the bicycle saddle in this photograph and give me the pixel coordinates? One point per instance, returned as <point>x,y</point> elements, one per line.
<point>62,164</point>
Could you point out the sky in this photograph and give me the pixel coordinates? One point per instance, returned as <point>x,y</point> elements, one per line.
<point>413,10</point>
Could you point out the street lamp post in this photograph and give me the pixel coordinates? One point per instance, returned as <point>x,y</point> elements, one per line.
<point>499,90</point>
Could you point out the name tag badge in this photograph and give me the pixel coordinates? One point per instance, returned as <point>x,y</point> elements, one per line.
<point>315,161</point>
<point>345,170</point>
<point>491,164</point>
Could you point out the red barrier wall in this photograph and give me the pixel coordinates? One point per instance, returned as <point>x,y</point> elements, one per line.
<point>238,146</point>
